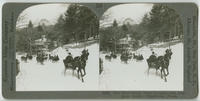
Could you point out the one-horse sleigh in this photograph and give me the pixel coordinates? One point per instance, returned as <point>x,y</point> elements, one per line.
<point>160,63</point>
<point>77,64</point>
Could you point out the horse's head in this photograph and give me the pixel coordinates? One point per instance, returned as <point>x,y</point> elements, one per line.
<point>168,52</point>
<point>167,57</point>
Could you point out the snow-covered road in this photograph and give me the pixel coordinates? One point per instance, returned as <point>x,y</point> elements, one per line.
<point>134,76</point>
<point>50,76</point>
<point>116,75</point>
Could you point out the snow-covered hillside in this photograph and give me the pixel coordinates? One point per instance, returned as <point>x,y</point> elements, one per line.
<point>50,76</point>
<point>134,76</point>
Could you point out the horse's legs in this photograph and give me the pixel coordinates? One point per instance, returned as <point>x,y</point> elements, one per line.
<point>82,79</point>
<point>81,76</point>
<point>78,73</point>
<point>161,72</point>
<point>84,72</point>
<point>165,75</point>
<point>167,71</point>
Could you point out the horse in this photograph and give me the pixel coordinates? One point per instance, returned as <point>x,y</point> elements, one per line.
<point>113,55</point>
<point>29,56</point>
<point>124,58</point>
<point>81,64</point>
<point>166,60</point>
<point>24,58</point>
<point>50,57</point>
<point>164,64</point>
<point>54,58</point>
<point>108,57</point>
<point>85,55</point>
<point>138,57</point>
<point>40,58</point>
<point>169,52</point>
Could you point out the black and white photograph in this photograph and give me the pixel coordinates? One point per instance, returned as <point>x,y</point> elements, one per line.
<point>141,48</point>
<point>131,47</point>
<point>57,48</point>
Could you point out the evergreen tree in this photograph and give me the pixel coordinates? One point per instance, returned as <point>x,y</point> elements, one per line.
<point>30,25</point>
<point>115,24</point>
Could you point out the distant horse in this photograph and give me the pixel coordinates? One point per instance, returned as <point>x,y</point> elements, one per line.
<point>40,58</point>
<point>24,58</point>
<point>108,57</point>
<point>113,55</point>
<point>54,58</point>
<point>29,56</point>
<point>124,58</point>
<point>50,57</point>
<point>138,57</point>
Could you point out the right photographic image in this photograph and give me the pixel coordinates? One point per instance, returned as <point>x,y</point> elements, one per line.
<point>141,48</point>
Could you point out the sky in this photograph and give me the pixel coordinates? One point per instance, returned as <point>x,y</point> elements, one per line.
<point>51,12</point>
<point>36,13</point>
<point>124,11</point>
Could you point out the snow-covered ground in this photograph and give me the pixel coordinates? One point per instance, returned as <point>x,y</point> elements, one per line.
<point>116,75</point>
<point>50,76</point>
<point>133,76</point>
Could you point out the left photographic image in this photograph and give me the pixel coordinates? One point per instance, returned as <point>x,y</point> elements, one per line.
<point>57,48</point>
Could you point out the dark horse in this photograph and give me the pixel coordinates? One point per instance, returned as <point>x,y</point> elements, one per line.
<point>76,64</point>
<point>29,56</point>
<point>24,58</point>
<point>125,56</point>
<point>85,55</point>
<point>138,57</point>
<point>160,62</point>
<point>113,55</point>
<point>54,58</point>
<point>41,58</point>
<point>108,57</point>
